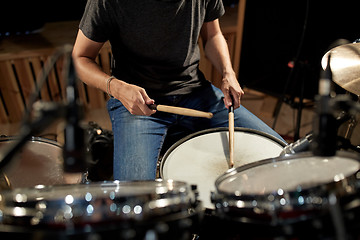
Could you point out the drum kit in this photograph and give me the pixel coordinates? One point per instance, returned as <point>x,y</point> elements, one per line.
<point>267,190</point>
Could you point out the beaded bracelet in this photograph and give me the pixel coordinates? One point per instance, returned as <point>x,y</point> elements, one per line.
<point>108,86</point>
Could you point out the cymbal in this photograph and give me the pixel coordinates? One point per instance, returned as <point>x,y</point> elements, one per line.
<point>345,66</point>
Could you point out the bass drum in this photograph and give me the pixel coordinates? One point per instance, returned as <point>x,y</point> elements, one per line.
<point>39,162</point>
<point>107,210</point>
<point>297,197</point>
<point>202,157</point>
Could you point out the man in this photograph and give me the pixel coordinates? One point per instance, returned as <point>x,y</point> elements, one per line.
<point>156,56</point>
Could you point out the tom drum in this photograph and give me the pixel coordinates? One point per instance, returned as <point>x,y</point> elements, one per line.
<point>39,162</point>
<point>301,196</point>
<point>202,157</point>
<point>106,210</point>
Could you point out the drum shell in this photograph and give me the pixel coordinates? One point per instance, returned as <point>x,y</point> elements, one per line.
<point>101,209</point>
<point>282,214</point>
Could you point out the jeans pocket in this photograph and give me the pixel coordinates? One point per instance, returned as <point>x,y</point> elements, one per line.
<point>114,104</point>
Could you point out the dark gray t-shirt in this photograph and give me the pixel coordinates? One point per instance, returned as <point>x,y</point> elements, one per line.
<point>154,42</point>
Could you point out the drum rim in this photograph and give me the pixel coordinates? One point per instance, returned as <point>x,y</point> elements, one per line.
<point>46,189</point>
<point>233,171</point>
<point>215,130</point>
<point>31,139</point>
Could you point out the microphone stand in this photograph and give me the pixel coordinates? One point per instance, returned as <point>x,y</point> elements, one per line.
<point>325,130</point>
<point>74,152</point>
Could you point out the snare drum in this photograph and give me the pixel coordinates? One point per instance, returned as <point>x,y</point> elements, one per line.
<point>107,210</point>
<point>292,196</point>
<point>39,161</point>
<point>202,157</point>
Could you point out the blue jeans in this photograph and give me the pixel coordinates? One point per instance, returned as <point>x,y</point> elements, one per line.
<point>138,140</point>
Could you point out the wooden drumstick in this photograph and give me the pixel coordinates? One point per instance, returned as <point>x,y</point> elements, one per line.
<point>231,136</point>
<point>181,111</point>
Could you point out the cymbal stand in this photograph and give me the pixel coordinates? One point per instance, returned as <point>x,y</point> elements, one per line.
<point>351,126</point>
<point>345,141</point>
<point>303,69</point>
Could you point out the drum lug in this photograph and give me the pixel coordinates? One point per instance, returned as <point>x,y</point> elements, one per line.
<point>84,178</point>
<point>194,189</point>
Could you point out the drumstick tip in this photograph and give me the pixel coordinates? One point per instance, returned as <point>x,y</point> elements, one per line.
<point>231,165</point>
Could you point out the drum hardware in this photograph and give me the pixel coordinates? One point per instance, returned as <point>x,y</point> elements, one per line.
<point>345,144</point>
<point>304,143</point>
<point>346,132</point>
<point>344,103</point>
<point>301,145</point>
<point>349,119</point>
<point>85,177</point>
<point>350,128</point>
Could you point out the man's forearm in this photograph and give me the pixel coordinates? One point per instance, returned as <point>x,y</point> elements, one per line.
<point>217,51</point>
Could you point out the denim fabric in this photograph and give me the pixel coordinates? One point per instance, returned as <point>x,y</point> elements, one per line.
<point>138,140</point>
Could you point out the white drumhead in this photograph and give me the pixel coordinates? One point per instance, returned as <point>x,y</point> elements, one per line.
<point>202,157</point>
<point>288,175</point>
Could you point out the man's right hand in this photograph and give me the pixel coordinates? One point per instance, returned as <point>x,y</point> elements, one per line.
<point>134,98</point>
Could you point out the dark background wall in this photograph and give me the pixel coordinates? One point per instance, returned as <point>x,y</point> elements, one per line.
<point>273,37</point>
<point>22,16</point>
<point>19,16</point>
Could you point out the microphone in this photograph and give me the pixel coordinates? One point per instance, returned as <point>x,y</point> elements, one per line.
<point>74,150</point>
<point>301,145</point>
<point>325,129</point>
